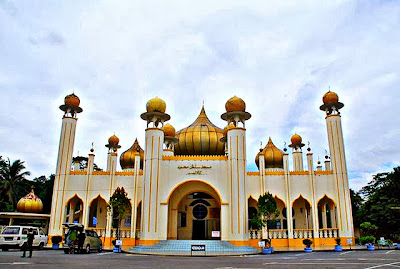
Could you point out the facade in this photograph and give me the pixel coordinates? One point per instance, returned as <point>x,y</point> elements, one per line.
<point>193,184</point>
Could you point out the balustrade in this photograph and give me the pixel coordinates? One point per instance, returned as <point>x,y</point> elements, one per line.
<point>328,233</point>
<point>255,234</point>
<point>100,231</point>
<point>123,232</point>
<point>278,233</point>
<point>302,233</point>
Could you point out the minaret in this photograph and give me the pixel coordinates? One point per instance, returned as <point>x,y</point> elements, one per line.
<point>151,173</point>
<point>236,144</point>
<point>113,147</point>
<point>64,161</point>
<point>338,162</point>
<point>169,140</point>
<point>297,153</point>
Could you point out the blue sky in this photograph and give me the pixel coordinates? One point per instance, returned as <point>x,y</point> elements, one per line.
<point>279,57</point>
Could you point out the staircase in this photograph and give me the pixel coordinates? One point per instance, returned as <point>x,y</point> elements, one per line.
<point>183,248</point>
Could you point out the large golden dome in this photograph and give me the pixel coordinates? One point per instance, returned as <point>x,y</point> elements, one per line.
<point>127,159</point>
<point>30,203</point>
<point>113,140</point>
<point>200,138</point>
<point>235,104</point>
<point>330,97</point>
<point>272,155</point>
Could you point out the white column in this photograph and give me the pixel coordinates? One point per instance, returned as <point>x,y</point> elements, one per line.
<point>65,151</point>
<point>85,206</point>
<point>236,139</point>
<point>298,161</point>
<point>289,217</point>
<point>151,176</point>
<point>261,165</point>
<point>135,195</point>
<point>327,165</point>
<point>338,159</point>
<point>314,206</point>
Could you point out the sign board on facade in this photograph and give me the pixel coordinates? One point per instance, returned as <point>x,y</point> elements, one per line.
<point>215,234</point>
<point>261,244</point>
<point>198,247</point>
<point>349,241</point>
<point>118,242</point>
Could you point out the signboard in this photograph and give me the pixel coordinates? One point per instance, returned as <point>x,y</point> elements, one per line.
<point>198,247</point>
<point>349,241</point>
<point>261,244</point>
<point>118,242</point>
<point>215,234</point>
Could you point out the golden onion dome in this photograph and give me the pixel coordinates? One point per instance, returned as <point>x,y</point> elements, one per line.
<point>227,128</point>
<point>169,130</point>
<point>72,100</point>
<point>235,104</point>
<point>127,159</point>
<point>273,156</point>
<point>330,97</point>
<point>156,105</point>
<point>30,203</point>
<point>296,139</point>
<point>113,140</point>
<point>200,138</point>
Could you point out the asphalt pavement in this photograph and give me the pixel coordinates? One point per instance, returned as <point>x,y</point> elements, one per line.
<point>346,259</point>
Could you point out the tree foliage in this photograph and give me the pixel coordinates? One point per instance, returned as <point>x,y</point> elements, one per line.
<point>119,204</point>
<point>267,211</point>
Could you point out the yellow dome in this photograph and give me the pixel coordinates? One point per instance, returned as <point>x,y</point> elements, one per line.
<point>272,155</point>
<point>235,104</point>
<point>169,130</point>
<point>156,105</point>
<point>227,128</point>
<point>72,100</point>
<point>30,203</point>
<point>296,139</point>
<point>200,138</point>
<point>113,140</point>
<point>127,159</point>
<point>330,97</point>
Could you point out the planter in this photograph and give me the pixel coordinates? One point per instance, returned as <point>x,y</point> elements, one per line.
<point>268,250</point>
<point>308,250</point>
<point>117,249</point>
<point>338,248</point>
<point>56,246</point>
<point>371,247</point>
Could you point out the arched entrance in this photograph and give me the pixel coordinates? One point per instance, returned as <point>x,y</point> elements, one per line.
<point>98,213</point>
<point>193,211</point>
<point>74,210</point>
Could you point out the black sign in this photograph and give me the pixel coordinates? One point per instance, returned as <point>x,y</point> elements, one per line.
<point>198,247</point>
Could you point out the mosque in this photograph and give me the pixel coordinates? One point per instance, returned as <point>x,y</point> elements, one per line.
<point>193,184</point>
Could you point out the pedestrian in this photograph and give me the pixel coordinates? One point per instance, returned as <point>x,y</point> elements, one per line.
<point>29,243</point>
<point>81,240</point>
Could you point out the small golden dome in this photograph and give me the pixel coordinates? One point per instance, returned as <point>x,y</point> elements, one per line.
<point>200,138</point>
<point>227,128</point>
<point>30,203</point>
<point>113,140</point>
<point>156,105</point>
<point>169,130</point>
<point>330,97</point>
<point>127,159</point>
<point>273,156</point>
<point>235,104</point>
<point>296,139</point>
<point>72,100</point>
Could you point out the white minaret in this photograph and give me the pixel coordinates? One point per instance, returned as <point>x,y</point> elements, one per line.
<point>153,153</point>
<point>297,152</point>
<point>236,144</point>
<point>64,162</point>
<point>338,162</point>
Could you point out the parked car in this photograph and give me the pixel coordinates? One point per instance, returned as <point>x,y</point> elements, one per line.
<point>16,236</point>
<point>91,241</point>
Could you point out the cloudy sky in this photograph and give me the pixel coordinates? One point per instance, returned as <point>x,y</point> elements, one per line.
<point>279,56</point>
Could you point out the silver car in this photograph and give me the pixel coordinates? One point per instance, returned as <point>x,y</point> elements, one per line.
<point>76,234</point>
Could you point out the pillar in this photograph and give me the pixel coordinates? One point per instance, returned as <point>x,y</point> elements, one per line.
<point>85,206</point>
<point>135,195</point>
<point>314,206</point>
<point>289,217</point>
<point>298,161</point>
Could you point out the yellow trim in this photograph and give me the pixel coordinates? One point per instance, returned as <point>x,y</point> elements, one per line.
<point>78,172</point>
<point>72,197</point>
<point>294,200</point>
<point>195,158</point>
<point>125,173</point>
<point>341,154</point>
<point>299,173</point>
<point>231,200</point>
<point>237,128</point>
<point>224,203</point>
<point>326,197</point>
<point>147,242</point>
<point>158,175</point>
<point>253,173</point>
<point>99,195</point>
<point>101,173</point>
<point>332,115</point>
<point>153,128</point>
<point>283,201</point>
<point>274,173</point>
<point>170,150</point>
<point>150,182</point>
<point>327,172</point>
<point>239,243</point>
<point>163,203</point>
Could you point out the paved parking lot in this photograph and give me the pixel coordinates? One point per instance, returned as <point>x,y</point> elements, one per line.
<point>346,259</point>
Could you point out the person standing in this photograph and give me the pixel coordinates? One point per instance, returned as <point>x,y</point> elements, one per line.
<point>29,243</point>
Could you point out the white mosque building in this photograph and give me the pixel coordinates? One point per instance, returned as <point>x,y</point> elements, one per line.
<point>193,184</point>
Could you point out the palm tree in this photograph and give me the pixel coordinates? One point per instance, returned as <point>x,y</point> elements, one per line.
<point>12,177</point>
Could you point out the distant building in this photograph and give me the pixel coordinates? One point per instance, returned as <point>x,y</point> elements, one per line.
<point>193,184</point>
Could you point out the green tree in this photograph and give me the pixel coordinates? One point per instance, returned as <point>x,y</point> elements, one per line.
<point>356,204</point>
<point>381,200</point>
<point>12,183</point>
<point>119,204</point>
<point>267,212</point>
<point>44,189</point>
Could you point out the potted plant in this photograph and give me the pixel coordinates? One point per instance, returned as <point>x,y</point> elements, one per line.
<point>56,240</point>
<point>338,247</point>
<point>307,243</point>
<point>368,232</point>
<point>267,211</point>
<point>369,241</point>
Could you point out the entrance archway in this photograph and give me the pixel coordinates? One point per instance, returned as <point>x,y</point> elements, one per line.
<point>193,211</point>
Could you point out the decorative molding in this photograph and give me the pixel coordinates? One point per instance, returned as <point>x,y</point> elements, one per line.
<point>327,172</point>
<point>274,173</point>
<point>195,158</point>
<point>253,173</point>
<point>125,173</point>
<point>101,173</point>
<point>299,173</point>
<point>78,172</point>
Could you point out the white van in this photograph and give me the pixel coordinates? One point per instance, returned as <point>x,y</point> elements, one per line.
<point>16,236</point>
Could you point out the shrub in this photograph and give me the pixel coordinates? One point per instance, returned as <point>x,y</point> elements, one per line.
<point>307,242</point>
<point>366,228</point>
<point>369,239</point>
<point>56,239</point>
<point>337,240</point>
